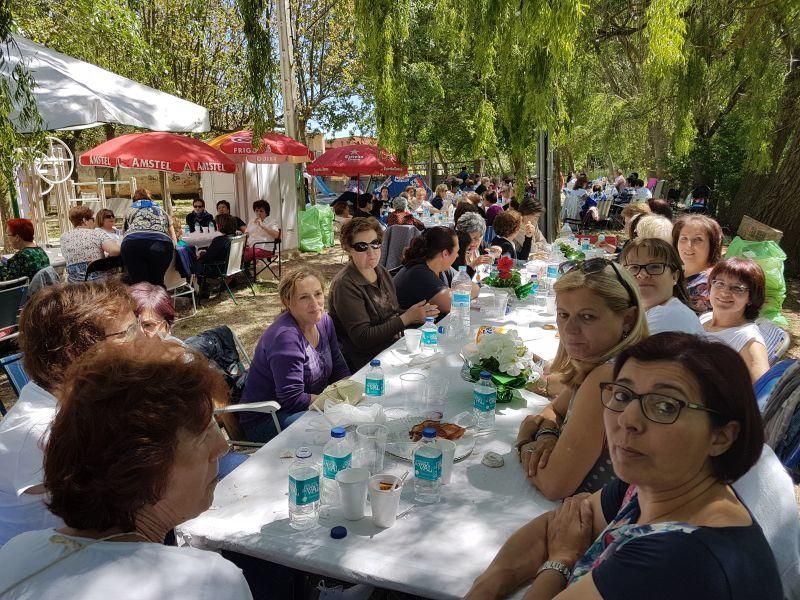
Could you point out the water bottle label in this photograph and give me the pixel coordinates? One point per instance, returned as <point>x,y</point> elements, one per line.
<point>428,468</point>
<point>305,491</point>
<point>331,465</point>
<point>374,387</point>
<point>460,300</point>
<point>484,401</point>
<point>429,338</point>
<point>552,271</point>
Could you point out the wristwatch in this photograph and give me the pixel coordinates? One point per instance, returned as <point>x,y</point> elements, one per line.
<point>556,565</point>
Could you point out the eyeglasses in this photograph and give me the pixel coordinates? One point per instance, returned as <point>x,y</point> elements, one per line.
<point>737,289</point>
<point>199,206</point>
<point>362,246</point>
<point>151,327</point>
<point>657,408</point>
<point>653,269</point>
<point>128,334</point>
<point>595,265</point>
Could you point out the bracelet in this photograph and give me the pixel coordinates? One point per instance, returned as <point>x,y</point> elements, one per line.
<point>555,565</point>
<point>546,431</point>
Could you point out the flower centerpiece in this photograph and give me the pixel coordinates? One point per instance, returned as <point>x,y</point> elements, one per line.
<point>506,357</point>
<point>508,277</point>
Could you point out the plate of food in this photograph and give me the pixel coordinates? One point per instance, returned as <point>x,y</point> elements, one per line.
<point>406,432</point>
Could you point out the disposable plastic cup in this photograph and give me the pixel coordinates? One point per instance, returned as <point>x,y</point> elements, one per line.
<point>353,491</point>
<point>413,338</point>
<point>413,385</point>
<point>448,448</point>
<point>384,502</point>
<point>488,303</point>
<point>436,395</point>
<point>550,308</point>
<point>371,450</point>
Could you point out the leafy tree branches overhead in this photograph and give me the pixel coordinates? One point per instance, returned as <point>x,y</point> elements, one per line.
<point>261,62</point>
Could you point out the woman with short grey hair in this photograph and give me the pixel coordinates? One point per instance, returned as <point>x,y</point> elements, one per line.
<point>472,251</point>
<point>401,216</point>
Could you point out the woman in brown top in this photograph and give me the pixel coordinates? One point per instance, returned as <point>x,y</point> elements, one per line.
<point>363,300</point>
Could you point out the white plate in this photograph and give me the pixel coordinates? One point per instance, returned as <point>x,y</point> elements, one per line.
<point>399,445</point>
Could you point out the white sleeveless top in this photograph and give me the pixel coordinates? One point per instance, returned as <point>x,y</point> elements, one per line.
<point>735,337</point>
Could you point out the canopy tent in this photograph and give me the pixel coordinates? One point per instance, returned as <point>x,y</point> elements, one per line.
<point>355,160</point>
<point>396,185</point>
<point>72,94</point>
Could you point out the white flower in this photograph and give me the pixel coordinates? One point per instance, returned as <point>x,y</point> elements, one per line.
<point>510,352</point>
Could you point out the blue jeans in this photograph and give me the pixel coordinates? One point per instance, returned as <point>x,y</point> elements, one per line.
<point>263,429</point>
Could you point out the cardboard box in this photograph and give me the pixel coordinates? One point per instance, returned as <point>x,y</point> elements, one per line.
<point>755,231</point>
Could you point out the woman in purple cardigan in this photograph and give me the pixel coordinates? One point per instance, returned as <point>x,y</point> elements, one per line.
<point>296,358</point>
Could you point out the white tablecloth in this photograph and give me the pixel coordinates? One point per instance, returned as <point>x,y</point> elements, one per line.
<point>200,240</point>
<point>434,551</point>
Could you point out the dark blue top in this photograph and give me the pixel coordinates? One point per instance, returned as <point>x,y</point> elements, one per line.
<point>417,282</point>
<point>287,369</point>
<point>668,561</point>
<point>204,219</point>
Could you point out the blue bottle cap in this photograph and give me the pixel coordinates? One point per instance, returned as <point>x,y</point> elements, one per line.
<point>429,319</point>
<point>485,374</point>
<point>429,432</point>
<point>338,432</point>
<point>338,532</point>
<point>374,363</point>
<point>441,330</point>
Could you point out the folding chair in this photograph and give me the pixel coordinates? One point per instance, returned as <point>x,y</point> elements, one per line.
<point>777,340</point>
<point>268,258</point>
<point>178,285</point>
<point>232,265</point>
<point>104,265</point>
<point>17,377</point>
<point>13,294</point>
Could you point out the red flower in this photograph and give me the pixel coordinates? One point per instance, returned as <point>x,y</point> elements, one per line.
<point>504,275</point>
<point>505,264</point>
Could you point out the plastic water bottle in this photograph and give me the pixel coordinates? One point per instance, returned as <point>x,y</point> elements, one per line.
<point>212,226</point>
<point>534,284</point>
<point>430,336</point>
<point>585,245</point>
<point>461,290</point>
<point>484,401</point>
<point>186,230</point>
<point>303,491</point>
<point>375,379</point>
<point>337,455</point>
<point>426,212</point>
<point>601,241</point>
<point>566,231</point>
<point>427,468</point>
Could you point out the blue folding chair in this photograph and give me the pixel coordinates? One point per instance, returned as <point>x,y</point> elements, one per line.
<point>17,377</point>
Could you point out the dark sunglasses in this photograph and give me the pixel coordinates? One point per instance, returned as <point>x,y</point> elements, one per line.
<point>363,246</point>
<point>595,265</point>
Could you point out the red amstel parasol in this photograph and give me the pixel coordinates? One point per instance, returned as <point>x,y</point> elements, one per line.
<point>159,151</point>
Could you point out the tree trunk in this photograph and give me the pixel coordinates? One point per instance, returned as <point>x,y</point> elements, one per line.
<point>778,206</point>
<point>5,210</point>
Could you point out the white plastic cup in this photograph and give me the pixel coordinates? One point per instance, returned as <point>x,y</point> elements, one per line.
<point>550,308</point>
<point>413,385</point>
<point>448,448</point>
<point>500,302</point>
<point>413,338</point>
<point>436,395</point>
<point>353,492</point>
<point>384,502</point>
<point>371,446</point>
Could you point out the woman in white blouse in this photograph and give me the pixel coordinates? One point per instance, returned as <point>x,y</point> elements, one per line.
<point>658,271</point>
<point>737,295</point>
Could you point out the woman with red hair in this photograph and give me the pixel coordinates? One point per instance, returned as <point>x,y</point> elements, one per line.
<point>29,259</point>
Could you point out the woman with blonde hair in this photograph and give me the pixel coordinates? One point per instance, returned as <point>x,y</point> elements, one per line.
<point>296,358</point>
<point>599,313</point>
<point>440,201</point>
<point>654,226</point>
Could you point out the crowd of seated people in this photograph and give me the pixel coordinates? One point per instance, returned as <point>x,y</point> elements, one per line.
<point>652,436</point>
<point>85,243</point>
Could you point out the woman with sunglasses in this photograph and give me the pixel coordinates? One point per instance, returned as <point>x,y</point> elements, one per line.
<point>737,295</point>
<point>659,276</point>
<point>363,300</point>
<point>681,429</point>
<point>58,324</point>
<point>84,244</point>
<point>599,314</point>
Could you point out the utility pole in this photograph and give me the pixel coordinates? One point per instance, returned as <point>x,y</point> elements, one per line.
<point>288,80</point>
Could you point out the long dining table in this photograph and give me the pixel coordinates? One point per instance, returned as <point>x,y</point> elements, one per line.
<point>433,551</point>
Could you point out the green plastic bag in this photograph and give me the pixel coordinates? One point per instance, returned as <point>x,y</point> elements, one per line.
<point>310,234</point>
<point>770,258</point>
<point>326,224</point>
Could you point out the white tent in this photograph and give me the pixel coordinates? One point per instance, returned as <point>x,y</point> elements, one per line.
<point>72,94</point>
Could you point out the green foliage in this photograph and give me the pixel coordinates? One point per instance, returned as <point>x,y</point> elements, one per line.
<point>261,62</point>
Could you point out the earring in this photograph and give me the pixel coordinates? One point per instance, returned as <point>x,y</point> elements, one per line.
<point>624,335</point>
